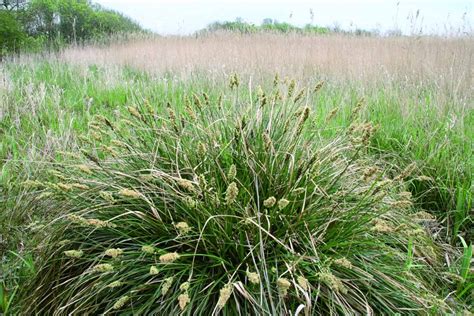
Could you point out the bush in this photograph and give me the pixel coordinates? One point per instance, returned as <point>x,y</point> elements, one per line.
<point>218,205</point>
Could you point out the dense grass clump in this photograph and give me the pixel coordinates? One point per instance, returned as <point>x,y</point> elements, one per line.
<point>232,206</point>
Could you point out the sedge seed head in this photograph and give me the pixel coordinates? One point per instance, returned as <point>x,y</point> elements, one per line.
<point>80,186</point>
<point>303,282</point>
<point>65,187</point>
<point>115,284</point>
<point>270,202</point>
<point>121,302</point>
<point>114,252</point>
<point>148,249</point>
<point>186,184</point>
<point>283,203</point>
<point>343,262</point>
<point>183,228</point>
<point>232,173</point>
<point>166,285</point>
<point>224,295</point>
<point>97,223</point>
<point>74,253</point>
<point>381,226</point>
<point>129,193</point>
<point>231,193</point>
<point>283,286</point>
<point>183,300</point>
<point>85,169</point>
<point>253,277</point>
<point>333,282</point>
<point>107,196</point>
<point>153,270</point>
<point>103,267</point>
<point>134,112</point>
<point>169,257</point>
<point>184,286</point>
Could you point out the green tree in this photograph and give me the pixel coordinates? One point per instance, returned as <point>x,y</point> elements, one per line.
<point>11,33</point>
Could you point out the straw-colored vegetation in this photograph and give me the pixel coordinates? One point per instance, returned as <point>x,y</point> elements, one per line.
<point>181,175</point>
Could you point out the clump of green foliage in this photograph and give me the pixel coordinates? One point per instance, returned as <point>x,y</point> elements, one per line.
<point>11,33</point>
<point>232,205</point>
<point>268,25</point>
<point>27,25</point>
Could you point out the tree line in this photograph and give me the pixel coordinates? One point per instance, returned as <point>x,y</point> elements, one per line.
<point>33,24</point>
<point>271,25</point>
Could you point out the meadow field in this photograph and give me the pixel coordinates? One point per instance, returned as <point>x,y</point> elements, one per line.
<point>266,174</point>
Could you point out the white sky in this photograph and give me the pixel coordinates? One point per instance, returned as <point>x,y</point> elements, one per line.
<point>187,16</point>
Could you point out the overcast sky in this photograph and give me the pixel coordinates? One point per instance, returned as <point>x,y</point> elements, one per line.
<point>187,16</point>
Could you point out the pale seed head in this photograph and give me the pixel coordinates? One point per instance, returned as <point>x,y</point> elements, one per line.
<point>121,302</point>
<point>148,249</point>
<point>169,257</point>
<point>270,202</point>
<point>283,203</point>
<point>85,169</point>
<point>343,262</point>
<point>303,282</point>
<point>232,173</point>
<point>102,267</point>
<point>115,284</point>
<point>183,300</point>
<point>283,286</point>
<point>113,252</point>
<point>183,228</point>
<point>184,286</point>
<point>153,270</point>
<point>253,277</point>
<point>130,193</point>
<point>166,285</point>
<point>74,253</point>
<point>224,295</point>
<point>231,193</point>
<point>333,282</point>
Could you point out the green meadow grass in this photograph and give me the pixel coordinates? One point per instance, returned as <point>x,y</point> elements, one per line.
<point>46,106</point>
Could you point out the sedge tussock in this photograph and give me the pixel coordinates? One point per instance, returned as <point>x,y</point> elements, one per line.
<point>316,211</point>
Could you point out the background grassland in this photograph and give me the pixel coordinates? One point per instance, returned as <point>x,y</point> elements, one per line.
<point>418,91</point>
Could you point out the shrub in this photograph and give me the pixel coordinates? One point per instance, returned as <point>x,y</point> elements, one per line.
<point>224,205</point>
